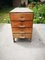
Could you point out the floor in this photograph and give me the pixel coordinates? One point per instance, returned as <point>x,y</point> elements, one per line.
<point>22,49</point>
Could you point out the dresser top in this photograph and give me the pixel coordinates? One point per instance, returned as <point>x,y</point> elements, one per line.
<point>20,9</point>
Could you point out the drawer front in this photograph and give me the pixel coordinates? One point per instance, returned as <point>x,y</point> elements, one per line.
<point>21,16</point>
<point>22,35</point>
<point>22,30</point>
<point>21,24</point>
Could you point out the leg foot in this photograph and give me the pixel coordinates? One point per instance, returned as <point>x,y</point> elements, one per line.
<point>14,40</point>
<point>30,39</point>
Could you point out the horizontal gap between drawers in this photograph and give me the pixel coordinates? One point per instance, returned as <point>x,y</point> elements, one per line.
<point>21,27</point>
<point>20,20</point>
<point>22,33</point>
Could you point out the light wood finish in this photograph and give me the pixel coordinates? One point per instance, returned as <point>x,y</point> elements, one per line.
<point>22,23</point>
<point>22,35</point>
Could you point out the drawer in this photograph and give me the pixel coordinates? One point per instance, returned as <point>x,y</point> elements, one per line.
<point>21,16</point>
<point>21,24</point>
<point>22,35</point>
<point>22,30</point>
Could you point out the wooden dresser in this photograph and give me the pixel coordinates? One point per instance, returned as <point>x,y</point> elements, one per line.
<point>21,23</point>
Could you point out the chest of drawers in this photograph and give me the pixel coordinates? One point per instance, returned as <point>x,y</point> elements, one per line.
<point>21,22</point>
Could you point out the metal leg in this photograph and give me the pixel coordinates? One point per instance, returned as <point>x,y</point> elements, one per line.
<point>30,39</point>
<point>14,39</point>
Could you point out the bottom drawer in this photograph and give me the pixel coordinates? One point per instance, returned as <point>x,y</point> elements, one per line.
<point>22,35</point>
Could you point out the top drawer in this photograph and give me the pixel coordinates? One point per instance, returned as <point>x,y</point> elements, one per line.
<point>21,16</point>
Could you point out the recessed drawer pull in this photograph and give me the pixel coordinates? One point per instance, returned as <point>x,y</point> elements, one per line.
<point>22,26</point>
<point>22,37</point>
<point>22,17</point>
<point>21,20</point>
<point>22,32</point>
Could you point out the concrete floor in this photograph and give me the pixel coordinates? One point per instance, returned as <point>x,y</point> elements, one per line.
<point>22,49</point>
